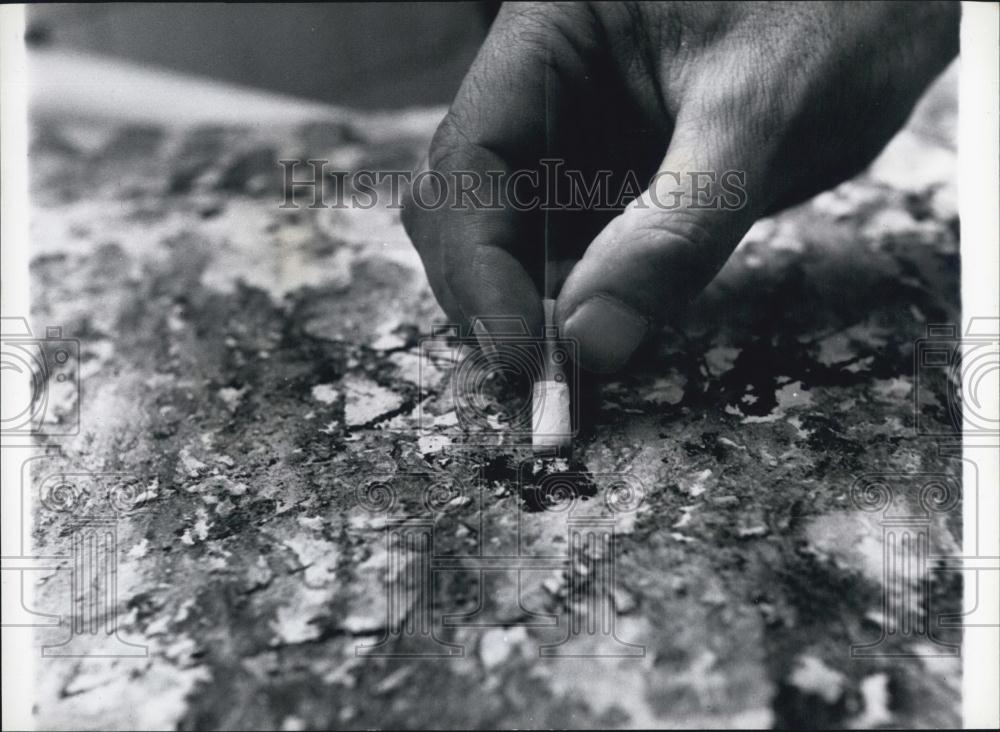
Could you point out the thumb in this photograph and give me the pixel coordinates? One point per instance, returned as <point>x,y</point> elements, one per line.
<point>662,249</point>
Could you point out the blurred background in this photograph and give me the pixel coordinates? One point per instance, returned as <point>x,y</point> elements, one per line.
<point>361,55</point>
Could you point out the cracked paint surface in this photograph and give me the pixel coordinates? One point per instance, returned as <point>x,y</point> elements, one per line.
<point>253,379</point>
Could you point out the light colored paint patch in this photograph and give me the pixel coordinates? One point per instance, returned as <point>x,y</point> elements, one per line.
<point>318,556</point>
<point>385,337</point>
<point>637,679</point>
<point>292,625</point>
<point>835,349</point>
<point>667,390</point>
<point>95,356</point>
<point>409,367</point>
<point>753,532</point>
<point>497,644</point>
<point>232,397</point>
<point>793,395</point>
<point>889,222</point>
<point>211,488</point>
<point>845,200</point>
<point>908,163</point>
<point>192,465</point>
<point>359,518</point>
<point>448,419</point>
<point>786,237</point>
<point>284,267</point>
<point>685,518</point>
<point>362,624</point>
<point>201,527</point>
<point>721,359</point>
<point>139,550</point>
<point>799,430</point>
<point>325,393</point>
<point>314,523</point>
<point>868,332</point>
<point>151,491</point>
<point>789,396</point>
<point>695,484</point>
<point>862,364</point>
<point>760,232</point>
<point>147,693</point>
<point>812,676</point>
<point>892,390</point>
<point>851,539</point>
<point>875,693</point>
<point>365,400</point>
<point>430,444</point>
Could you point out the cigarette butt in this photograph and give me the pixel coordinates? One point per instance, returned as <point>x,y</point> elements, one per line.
<point>550,397</point>
<point>550,415</point>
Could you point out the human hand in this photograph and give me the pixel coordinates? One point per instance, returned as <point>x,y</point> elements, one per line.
<point>790,98</point>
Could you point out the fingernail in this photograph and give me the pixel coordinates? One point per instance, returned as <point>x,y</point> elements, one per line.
<point>607,332</point>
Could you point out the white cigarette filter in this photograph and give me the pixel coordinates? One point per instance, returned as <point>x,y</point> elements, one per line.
<point>550,415</point>
<point>550,420</point>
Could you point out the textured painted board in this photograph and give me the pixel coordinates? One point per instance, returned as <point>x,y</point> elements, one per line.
<point>254,379</point>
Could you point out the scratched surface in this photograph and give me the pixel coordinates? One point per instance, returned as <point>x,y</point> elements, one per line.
<point>307,537</point>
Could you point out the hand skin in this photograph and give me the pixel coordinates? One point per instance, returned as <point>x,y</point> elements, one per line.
<point>799,96</point>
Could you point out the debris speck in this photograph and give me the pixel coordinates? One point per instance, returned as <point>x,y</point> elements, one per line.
<point>314,523</point>
<point>721,359</point>
<point>139,550</point>
<point>232,397</point>
<point>393,681</point>
<point>892,389</point>
<point>624,600</point>
<point>788,396</point>
<point>192,465</point>
<point>725,501</point>
<point>695,485</point>
<point>430,444</point>
<point>812,676</point>
<point>875,694</point>
<point>362,624</point>
<point>325,393</point>
<point>497,644</point>
<point>293,724</point>
<point>291,625</point>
